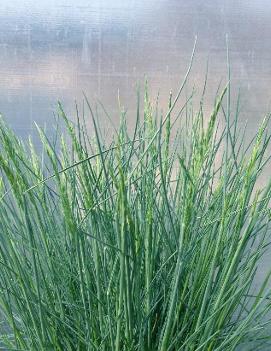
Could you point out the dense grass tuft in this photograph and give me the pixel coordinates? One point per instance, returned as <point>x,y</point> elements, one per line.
<point>149,241</point>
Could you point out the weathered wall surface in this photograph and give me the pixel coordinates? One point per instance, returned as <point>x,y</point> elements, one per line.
<point>53,50</point>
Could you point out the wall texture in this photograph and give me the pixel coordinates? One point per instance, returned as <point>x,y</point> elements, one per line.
<point>53,50</point>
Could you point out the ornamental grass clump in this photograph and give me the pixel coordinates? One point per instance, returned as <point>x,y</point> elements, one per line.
<point>148,241</point>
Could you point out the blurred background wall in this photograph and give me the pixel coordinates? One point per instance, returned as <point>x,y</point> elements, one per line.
<point>53,50</point>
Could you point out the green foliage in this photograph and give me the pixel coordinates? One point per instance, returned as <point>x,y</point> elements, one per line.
<point>150,241</point>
